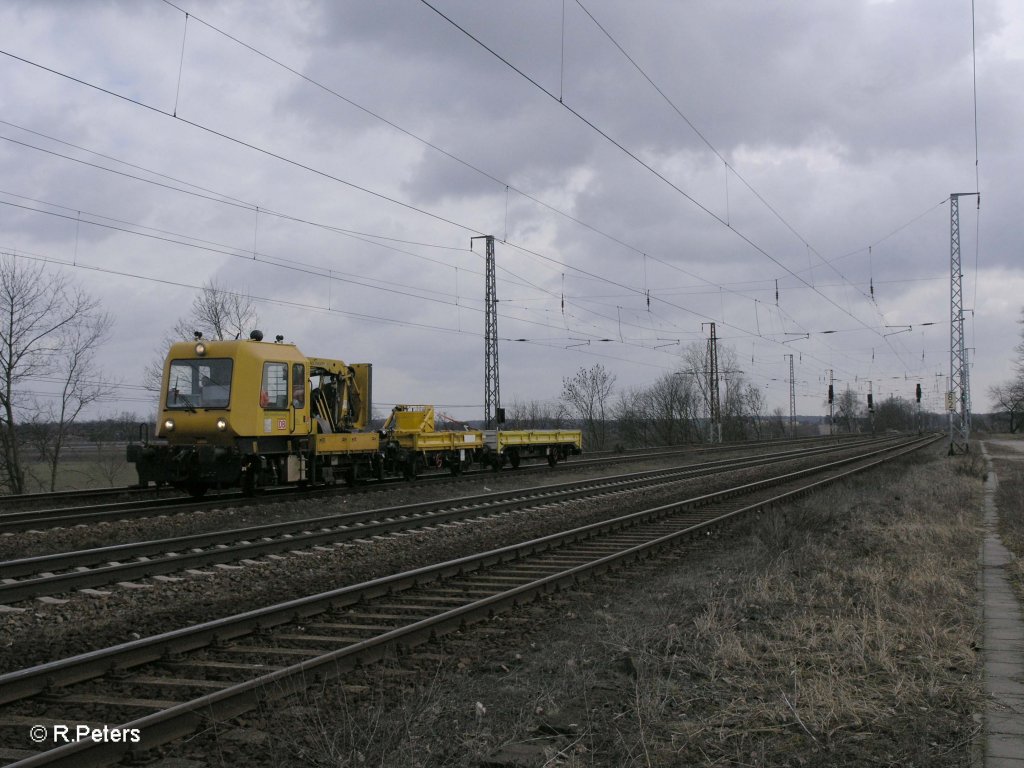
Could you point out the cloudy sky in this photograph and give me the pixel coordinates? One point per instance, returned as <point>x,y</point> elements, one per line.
<point>780,169</point>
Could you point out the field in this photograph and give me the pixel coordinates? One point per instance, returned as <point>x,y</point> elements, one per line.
<point>85,465</point>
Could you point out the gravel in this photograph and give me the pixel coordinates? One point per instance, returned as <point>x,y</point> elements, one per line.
<point>49,629</point>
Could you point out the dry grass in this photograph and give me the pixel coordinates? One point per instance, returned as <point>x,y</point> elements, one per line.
<point>1010,502</point>
<point>838,632</point>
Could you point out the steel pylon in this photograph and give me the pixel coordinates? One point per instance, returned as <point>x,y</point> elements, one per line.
<point>958,399</point>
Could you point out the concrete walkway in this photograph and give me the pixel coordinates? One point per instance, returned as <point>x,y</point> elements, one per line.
<point>1003,644</point>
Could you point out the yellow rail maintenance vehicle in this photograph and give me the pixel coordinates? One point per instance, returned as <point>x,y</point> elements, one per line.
<point>249,413</point>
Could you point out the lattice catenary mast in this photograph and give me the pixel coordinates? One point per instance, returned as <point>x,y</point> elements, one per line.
<point>714,400</point>
<point>958,398</point>
<point>492,388</point>
<point>792,400</point>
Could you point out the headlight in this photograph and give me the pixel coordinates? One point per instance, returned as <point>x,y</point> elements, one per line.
<point>222,424</point>
<point>200,349</point>
<point>169,425</point>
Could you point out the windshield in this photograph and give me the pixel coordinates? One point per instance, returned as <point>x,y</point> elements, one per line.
<point>199,383</point>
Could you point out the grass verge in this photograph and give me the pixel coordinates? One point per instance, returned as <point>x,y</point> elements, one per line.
<point>1010,503</point>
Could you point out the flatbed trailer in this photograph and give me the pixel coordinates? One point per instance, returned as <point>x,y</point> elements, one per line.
<point>514,445</point>
<point>416,444</point>
<point>413,429</point>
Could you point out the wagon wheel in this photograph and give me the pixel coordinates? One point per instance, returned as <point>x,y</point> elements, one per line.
<point>410,467</point>
<point>351,475</point>
<point>196,490</point>
<point>250,472</point>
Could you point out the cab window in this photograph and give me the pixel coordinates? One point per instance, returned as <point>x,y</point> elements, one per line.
<point>204,383</point>
<point>274,389</point>
<point>299,385</point>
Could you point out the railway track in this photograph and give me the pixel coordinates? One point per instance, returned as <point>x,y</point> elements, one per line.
<point>166,686</point>
<point>36,519</point>
<point>132,499</point>
<point>34,500</point>
<point>57,573</point>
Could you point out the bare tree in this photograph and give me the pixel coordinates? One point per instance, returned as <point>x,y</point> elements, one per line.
<point>754,406</point>
<point>665,413</point>
<point>78,374</point>
<point>48,330</point>
<point>777,422</point>
<point>216,313</point>
<point>631,418</point>
<point>534,414</point>
<point>895,413</point>
<point>847,409</point>
<point>697,366</point>
<point>1009,396</point>
<point>587,395</point>
<point>1009,401</point>
<point>669,402</point>
<point>110,463</point>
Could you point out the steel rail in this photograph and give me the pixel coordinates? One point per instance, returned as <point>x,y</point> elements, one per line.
<point>653,451</point>
<point>15,685</point>
<point>7,500</point>
<point>14,521</point>
<point>645,452</point>
<point>184,718</point>
<point>51,574</point>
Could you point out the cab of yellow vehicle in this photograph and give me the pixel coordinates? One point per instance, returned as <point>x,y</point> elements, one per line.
<point>248,413</point>
<point>217,391</point>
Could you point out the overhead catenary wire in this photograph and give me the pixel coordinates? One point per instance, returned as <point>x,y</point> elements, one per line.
<point>717,153</point>
<point>410,134</point>
<point>214,247</point>
<point>680,191</point>
<point>430,144</point>
<point>305,306</point>
<point>564,265</point>
<point>242,142</point>
<point>303,166</point>
<point>220,197</point>
<point>636,158</point>
<point>226,250</point>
